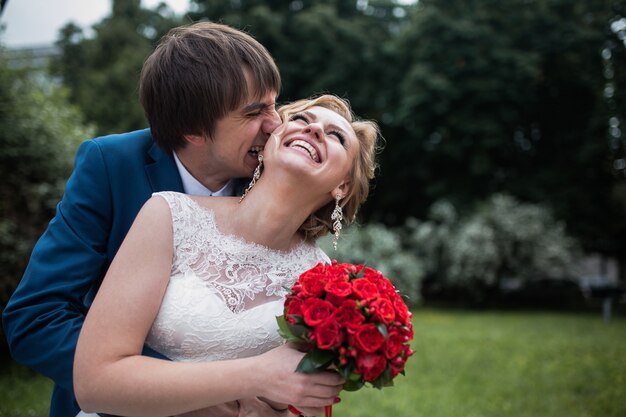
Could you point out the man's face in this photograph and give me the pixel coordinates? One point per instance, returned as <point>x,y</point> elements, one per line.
<point>232,151</point>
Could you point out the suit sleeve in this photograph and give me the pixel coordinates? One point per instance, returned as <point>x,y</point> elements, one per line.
<point>43,318</point>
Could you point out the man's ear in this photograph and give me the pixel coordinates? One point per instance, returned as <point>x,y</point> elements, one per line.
<point>194,139</point>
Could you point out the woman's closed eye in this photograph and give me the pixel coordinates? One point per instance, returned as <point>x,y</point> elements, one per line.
<point>303,117</point>
<point>340,136</point>
<point>299,116</point>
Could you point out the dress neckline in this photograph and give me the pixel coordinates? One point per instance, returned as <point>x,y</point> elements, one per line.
<point>239,239</point>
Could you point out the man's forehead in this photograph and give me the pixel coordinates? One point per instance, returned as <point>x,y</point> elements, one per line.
<point>259,102</point>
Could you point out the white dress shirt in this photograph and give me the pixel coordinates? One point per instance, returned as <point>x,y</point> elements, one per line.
<point>194,187</point>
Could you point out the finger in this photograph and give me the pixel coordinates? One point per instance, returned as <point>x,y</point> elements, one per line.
<point>312,411</point>
<point>330,378</point>
<point>324,393</point>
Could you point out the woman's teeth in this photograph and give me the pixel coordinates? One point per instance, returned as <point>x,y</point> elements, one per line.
<point>307,147</point>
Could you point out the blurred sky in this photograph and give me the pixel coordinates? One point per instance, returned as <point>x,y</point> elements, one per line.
<point>37,22</point>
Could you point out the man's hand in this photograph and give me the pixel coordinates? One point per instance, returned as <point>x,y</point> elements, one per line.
<point>249,407</point>
<point>254,407</point>
<point>230,409</point>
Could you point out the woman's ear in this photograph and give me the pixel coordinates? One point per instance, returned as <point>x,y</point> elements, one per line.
<point>342,189</point>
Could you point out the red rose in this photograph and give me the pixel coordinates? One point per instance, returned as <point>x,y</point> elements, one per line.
<point>382,310</point>
<point>368,338</point>
<point>397,365</point>
<point>364,289</point>
<point>398,362</point>
<point>312,284</point>
<point>328,334</point>
<point>348,268</point>
<point>316,311</point>
<point>373,275</point>
<point>293,307</point>
<point>338,287</point>
<point>370,365</point>
<point>334,300</point>
<point>402,311</point>
<point>348,315</point>
<point>383,284</point>
<point>395,343</point>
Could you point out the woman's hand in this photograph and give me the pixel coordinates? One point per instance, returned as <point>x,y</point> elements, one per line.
<point>275,372</point>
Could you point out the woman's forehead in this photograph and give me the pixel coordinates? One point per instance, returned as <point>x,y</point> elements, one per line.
<point>329,116</point>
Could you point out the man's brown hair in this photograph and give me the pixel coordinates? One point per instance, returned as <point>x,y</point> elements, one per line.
<point>197,75</point>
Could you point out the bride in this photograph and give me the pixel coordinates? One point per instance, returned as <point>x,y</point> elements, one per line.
<point>209,278</point>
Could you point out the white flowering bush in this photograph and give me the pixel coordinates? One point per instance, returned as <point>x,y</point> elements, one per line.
<point>503,238</point>
<point>380,248</point>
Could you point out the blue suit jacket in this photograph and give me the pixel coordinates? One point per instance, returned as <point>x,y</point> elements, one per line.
<point>112,179</point>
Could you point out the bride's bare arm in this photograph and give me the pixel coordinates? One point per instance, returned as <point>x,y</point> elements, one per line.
<point>111,375</point>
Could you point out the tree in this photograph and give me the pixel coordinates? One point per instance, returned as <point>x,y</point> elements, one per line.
<point>39,133</point>
<point>320,46</point>
<point>504,97</point>
<point>102,72</point>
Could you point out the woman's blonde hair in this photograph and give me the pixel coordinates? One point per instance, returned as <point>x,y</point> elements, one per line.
<point>363,168</point>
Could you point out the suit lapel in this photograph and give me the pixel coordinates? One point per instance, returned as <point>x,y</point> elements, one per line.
<point>162,172</point>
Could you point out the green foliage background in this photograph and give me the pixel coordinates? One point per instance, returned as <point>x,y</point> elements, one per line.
<point>39,134</point>
<point>474,97</point>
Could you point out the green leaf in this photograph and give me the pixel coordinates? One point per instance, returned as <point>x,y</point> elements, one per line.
<point>316,360</point>
<point>353,385</point>
<point>300,331</point>
<point>377,383</point>
<point>359,274</point>
<point>285,331</point>
<point>354,377</point>
<point>347,370</point>
<point>383,330</point>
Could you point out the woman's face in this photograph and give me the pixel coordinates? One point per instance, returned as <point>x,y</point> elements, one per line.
<point>319,143</point>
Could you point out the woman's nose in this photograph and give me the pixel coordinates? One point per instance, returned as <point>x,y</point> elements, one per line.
<point>315,129</point>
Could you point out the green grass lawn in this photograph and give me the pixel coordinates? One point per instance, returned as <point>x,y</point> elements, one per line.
<point>22,392</point>
<point>466,364</point>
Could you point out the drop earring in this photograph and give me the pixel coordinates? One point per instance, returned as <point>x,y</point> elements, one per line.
<point>336,217</point>
<point>255,176</point>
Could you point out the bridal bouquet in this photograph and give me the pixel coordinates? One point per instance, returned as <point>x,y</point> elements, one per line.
<point>350,317</point>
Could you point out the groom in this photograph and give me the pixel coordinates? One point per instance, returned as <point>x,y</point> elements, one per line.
<point>209,93</point>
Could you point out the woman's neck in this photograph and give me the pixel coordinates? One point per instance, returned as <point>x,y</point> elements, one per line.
<point>271,215</point>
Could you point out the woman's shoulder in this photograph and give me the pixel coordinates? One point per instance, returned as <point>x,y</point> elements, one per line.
<point>172,197</point>
<point>192,209</point>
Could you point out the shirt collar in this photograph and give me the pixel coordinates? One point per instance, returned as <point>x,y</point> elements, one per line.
<point>194,187</point>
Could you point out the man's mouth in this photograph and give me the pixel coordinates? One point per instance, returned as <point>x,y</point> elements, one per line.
<point>310,150</point>
<point>254,151</point>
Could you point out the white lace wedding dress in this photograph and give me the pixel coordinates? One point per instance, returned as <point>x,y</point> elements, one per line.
<point>224,292</point>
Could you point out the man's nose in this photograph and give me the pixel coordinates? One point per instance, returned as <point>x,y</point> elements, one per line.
<point>272,122</point>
